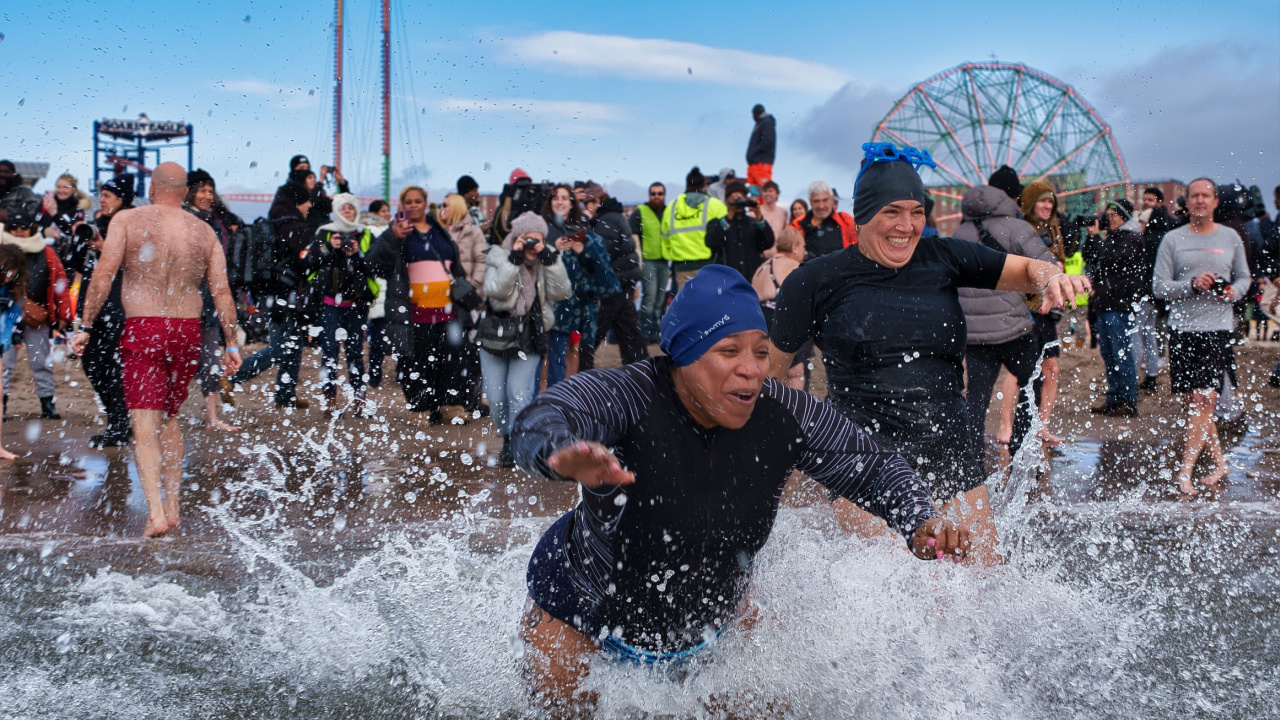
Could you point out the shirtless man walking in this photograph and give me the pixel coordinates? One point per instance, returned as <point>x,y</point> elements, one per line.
<point>165,252</point>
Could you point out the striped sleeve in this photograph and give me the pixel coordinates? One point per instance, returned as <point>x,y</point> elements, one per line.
<point>850,464</point>
<point>599,406</point>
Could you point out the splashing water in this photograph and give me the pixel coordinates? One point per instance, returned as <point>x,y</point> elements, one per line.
<point>1105,610</point>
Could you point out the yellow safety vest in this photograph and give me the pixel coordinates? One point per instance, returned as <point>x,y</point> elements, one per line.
<point>653,246</point>
<point>1074,265</point>
<point>686,227</point>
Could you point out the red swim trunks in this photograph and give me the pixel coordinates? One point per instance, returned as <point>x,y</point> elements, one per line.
<point>160,357</point>
<point>759,173</point>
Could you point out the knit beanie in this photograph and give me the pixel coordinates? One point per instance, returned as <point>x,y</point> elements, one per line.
<point>883,183</point>
<point>1122,207</point>
<point>1006,179</point>
<point>526,223</point>
<point>122,187</point>
<point>297,160</point>
<point>198,177</point>
<point>715,303</point>
<point>466,184</point>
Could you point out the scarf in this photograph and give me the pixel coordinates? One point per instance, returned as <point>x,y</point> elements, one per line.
<point>528,280</point>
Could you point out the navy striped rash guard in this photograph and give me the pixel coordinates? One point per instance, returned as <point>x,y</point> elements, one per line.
<point>664,563</point>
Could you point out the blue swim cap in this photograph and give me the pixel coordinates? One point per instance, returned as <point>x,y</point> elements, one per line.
<point>715,303</point>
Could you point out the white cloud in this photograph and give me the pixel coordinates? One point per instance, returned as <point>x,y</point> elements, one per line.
<point>559,110</point>
<point>291,98</point>
<point>656,59</point>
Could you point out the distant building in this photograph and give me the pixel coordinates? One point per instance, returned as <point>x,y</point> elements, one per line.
<point>31,172</point>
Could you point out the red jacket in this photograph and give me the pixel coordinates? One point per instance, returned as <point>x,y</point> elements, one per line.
<point>848,229</point>
<point>59,293</point>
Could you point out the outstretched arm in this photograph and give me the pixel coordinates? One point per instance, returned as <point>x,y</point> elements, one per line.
<point>566,432</point>
<point>1036,276</point>
<point>850,464</point>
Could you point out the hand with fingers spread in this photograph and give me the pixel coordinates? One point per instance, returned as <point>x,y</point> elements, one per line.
<point>591,465</point>
<point>937,539</point>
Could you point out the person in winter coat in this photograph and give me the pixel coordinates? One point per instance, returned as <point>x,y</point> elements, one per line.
<point>13,293</point>
<point>1120,280</point>
<point>646,226</point>
<point>60,213</point>
<point>1039,205</point>
<point>101,357</point>
<point>740,239</point>
<point>998,322</point>
<point>421,263</point>
<point>286,299</point>
<point>524,278</point>
<point>618,312</point>
<point>826,229</point>
<point>342,287</point>
<point>456,216</point>
<point>761,148</point>
<point>48,308</point>
<point>203,202</point>
<point>586,261</point>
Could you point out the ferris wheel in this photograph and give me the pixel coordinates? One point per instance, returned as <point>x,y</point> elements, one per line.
<point>977,117</point>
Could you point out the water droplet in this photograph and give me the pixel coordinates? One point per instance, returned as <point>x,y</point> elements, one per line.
<point>253,164</point>
<point>32,432</point>
<point>63,643</point>
<point>339,523</point>
<point>411,496</point>
<point>340,334</point>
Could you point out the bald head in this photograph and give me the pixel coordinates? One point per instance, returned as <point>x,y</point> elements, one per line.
<point>168,183</point>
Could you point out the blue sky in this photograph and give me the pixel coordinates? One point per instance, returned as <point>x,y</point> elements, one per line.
<point>620,93</point>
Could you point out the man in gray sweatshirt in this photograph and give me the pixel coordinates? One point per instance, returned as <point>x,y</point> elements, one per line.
<point>1201,269</point>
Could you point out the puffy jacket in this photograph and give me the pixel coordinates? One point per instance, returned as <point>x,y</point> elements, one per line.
<point>293,239</point>
<point>46,278</point>
<point>333,273</point>
<point>502,283</point>
<point>1118,269</point>
<point>472,248</point>
<point>763,142</point>
<point>610,224</point>
<point>994,316</point>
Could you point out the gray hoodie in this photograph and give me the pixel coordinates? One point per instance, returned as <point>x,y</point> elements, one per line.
<point>993,316</point>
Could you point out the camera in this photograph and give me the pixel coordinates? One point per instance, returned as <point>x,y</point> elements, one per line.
<point>84,233</point>
<point>745,202</point>
<point>1087,220</point>
<point>1219,286</point>
<point>348,244</point>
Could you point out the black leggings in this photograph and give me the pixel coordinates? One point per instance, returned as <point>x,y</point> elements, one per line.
<point>430,372</point>
<point>102,365</point>
<point>983,366</point>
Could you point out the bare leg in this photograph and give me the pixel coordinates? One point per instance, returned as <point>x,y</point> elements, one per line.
<point>171,468</point>
<point>211,421</point>
<point>146,452</point>
<point>556,663</point>
<point>1048,396</point>
<point>1202,433</point>
<point>1008,396</point>
<point>973,510</point>
<point>860,523</point>
<point>5,454</point>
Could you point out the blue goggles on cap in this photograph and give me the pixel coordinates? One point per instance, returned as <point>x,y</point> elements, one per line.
<point>886,152</point>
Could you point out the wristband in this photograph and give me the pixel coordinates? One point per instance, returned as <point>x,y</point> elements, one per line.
<point>235,350</point>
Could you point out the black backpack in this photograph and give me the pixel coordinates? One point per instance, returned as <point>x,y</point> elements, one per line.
<point>251,261</point>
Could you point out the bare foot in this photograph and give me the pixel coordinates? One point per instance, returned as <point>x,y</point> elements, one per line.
<point>1185,486</point>
<point>1218,474</point>
<point>220,426</point>
<point>1049,438</point>
<point>154,529</point>
<point>6,455</point>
